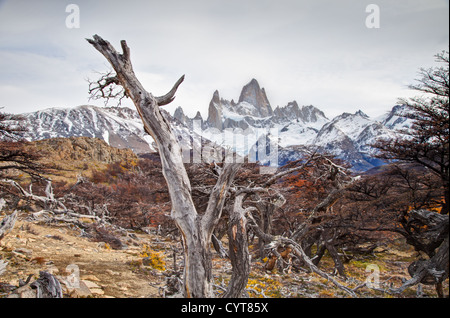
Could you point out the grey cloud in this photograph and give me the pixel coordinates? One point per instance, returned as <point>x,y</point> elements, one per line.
<point>317,52</point>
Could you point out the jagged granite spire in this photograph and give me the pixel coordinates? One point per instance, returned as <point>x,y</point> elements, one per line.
<point>215,112</point>
<point>253,94</point>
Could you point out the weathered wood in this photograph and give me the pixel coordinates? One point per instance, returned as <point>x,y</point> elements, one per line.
<point>7,224</point>
<point>48,201</point>
<point>275,241</point>
<point>223,253</point>
<point>47,286</point>
<point>238,249</point>
<point>301,254</point>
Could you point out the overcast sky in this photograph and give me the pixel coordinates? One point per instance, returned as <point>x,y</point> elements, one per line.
<point>317,52</point>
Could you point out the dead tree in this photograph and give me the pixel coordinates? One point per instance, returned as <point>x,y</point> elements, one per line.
<point>263,200</point>
<point>196,230</point>
<point>275,242</point>
<point>48,201</point>
<point>435,270</point>
<point>238,248</point>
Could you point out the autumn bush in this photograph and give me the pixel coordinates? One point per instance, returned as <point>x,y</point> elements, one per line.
<point>129,194</point>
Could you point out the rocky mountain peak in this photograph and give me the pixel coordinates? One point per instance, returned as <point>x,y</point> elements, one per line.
<point>312,114</point>
<point>198,116</point>
<point>215,111</point>
<point>253,94</point>
<point>289,112</point>
<point>361,113</point>
<point>397,118</point>
<point>179,113</point>
<point>216,97</point>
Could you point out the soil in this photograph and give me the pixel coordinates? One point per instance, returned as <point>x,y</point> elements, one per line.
<point>62,250</point>
<point>30,248</point>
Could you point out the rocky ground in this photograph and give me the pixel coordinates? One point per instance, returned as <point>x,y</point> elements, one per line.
<point>92,268</point>
<point>102,271</point>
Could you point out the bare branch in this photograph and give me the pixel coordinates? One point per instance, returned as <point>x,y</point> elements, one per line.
<point>218,196</point>
<point>106,87</point>
<point>300,253</point>
<point>125,50</point>
<point>170,96</point>
<point>48,199</point>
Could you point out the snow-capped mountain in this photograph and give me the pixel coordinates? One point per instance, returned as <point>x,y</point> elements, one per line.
<point>120,127</point>
<point>396,119</point>
<point>236,126</point>
<point>348,136</point>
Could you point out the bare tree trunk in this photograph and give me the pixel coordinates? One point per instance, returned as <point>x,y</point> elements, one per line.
<point>267,211</point>
<point>238,249</point>
<point>196,230</point>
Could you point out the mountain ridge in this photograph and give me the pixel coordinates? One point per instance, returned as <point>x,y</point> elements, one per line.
<point>229,124</point>
<point>348,136</point>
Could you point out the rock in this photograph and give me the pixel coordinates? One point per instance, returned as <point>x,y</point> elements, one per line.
<point>23,292</point>
<point>256,96</point>
<point>110,272</point>
<point>97,291</point>
<point>90,284</point>
<point>86,288</point>
<point>215,112</point>
<point>84,148</point>
<point>90,278</point>
<point>81,292</point>
<point>23,253</point>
